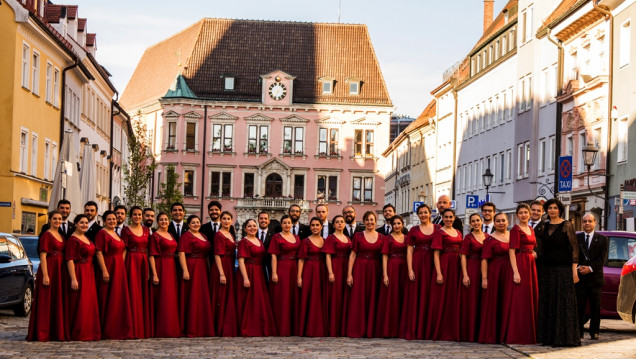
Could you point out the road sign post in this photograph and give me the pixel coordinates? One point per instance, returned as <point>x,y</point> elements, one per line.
<point>565,174</point>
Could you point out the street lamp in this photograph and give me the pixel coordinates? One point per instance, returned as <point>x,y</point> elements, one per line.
<point>589,156</point>
<point>487,177</point>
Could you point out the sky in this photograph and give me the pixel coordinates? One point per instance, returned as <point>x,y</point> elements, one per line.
<point>415,40</point>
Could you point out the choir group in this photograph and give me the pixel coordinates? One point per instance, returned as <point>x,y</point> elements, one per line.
<point>325,279</point>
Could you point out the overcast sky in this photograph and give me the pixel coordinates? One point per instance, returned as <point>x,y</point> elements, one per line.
<point>415,40</point>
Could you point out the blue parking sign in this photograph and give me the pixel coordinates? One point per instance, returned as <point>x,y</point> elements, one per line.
<point>416,204</point>
<point>565,173</point>
<point>472,201</point>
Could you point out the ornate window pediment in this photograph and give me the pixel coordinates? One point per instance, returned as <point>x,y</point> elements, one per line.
<point>293,119</point>
<point>192,115</point>
<point>170,114</point>
<point>223,116</point>
<point>329,121</point>
<point>259,117</point>
<point>365,122</point>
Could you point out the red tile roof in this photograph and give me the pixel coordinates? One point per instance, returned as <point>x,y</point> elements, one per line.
<point>81,24</point>
<point>90,39</point>
<point>560,11</point>
<point>500,21</point>
<point>249,48</point>
<point>52,13</point>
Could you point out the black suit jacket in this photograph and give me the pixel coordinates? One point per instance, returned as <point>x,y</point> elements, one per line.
<point>303,231</point>
<point>209,232</point>
<point>382,231</point>
<point>67,235</point>
<point>358,228</point>
<point>594,257</point>
<point>92,231</point>
<point>173,230</point>
<point>267,259</point>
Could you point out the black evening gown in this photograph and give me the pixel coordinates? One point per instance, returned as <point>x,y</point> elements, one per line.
<point>557,251</point>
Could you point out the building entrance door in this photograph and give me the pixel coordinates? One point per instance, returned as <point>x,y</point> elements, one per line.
<point>274,185</point>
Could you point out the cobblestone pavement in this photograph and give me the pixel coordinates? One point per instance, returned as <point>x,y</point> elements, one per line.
<point>618,340</point>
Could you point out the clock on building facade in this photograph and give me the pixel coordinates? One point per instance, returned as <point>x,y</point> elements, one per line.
<point>277,91</point>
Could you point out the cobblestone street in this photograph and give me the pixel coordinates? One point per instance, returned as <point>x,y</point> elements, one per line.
<point>618,340</point>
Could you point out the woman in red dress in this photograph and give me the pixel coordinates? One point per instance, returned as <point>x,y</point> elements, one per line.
<point>522,323</point>
<point>337,249</point>
<point>114,299</point>
<point>81,306</point>
<point>443,309</point>
<point>311,316</point>
<point>470,291</point>
<point>165,293</point>
<point>254,310</point>
<point>283,292</point>
<point>135,236</point>
<point>47,315</point>
<point>419,264</point>
<point>195,309</point>
<point>363,278</point>
<point>222,279</point>
<point>394,277</point>
<point>495,274</point>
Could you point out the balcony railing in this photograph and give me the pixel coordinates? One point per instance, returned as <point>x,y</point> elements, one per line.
<point>272,203</point>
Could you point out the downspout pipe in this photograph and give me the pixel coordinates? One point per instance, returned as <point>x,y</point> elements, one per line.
<point>559,109</point>
<point>610,92</point>
<point>111,165</point>
<point>63,99</point>
<point>205,130</point>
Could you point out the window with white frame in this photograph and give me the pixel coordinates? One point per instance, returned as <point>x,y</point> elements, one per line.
<point>524,30</point>
<point>596,140</point>
<point>551,154</point>
<point>56,87</point>
<point>257,138</point>
<point>354,87</point>
<point>624,48</point>
<point>248,185</point>
<point>34,154</point>
<point>327,86</point>
<point>574,66</point>
<point>363,143</point>
<point>586,58</point>
<point>526,164</point>
<point>520,160</point>
<point>191,136</point>
<point>47,159</point>
<point>293,139</point>
<point>602,62</point>
<point>24,151</point>
<point>569,145</point>
<point>504,45</point>
<point>623,130</point>
<point>188,183</point>
<point>228,82</point>
<point>582,144</point>
<point>327,188</point>
<point>221,183</point>
<point>528,29</point>
<point>493,168</point>
<point>328,142</point>
<point>508,165</point>
<point>26,56</point>
<point>482,169</point>
<point>35,74</point>
<point>172,136</point>
<point>502,167</point>
<point>53,160</point>
<point>469,176</point>
<point>542,154</point>
<point>49,82</point>
<point>362,189</point>
<point>222,137</point>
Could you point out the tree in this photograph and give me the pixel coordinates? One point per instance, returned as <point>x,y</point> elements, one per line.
<point>169,192</point>
<point>140,167</point>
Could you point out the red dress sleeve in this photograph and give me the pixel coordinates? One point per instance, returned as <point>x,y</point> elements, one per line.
<point>386,245</point>
<point>101,241</point>
<point>465,248</point>
<point>71,251</point>
<point>515,237</point>
<point>486,252</point>
<point>330,245</point>
<point>274,245</point>
<point>154,248</point>
<point>438,239</point>
<point>185,243</point>
<point>45,242</point>
<point>219,243</point>
<point>410,237</point>
<point>303,251</point>
<point>243,248</point>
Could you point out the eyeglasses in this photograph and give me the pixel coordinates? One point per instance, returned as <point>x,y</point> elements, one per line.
<point>487,210</point>
<point>349,212</point>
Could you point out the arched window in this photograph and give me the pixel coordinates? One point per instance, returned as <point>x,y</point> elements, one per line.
<point>274,185</point>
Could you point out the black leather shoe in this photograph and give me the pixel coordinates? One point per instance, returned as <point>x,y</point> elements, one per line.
<point>594,336</point>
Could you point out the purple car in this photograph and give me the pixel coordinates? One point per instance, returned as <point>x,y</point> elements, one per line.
<point>622,247</point>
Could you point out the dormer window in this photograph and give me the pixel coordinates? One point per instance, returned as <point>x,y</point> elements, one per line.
<point>229,83</point>
<point>327,85</point>
<point>354,87</point>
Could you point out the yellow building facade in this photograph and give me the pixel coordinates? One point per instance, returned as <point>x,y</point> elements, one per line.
<point>33,60</point>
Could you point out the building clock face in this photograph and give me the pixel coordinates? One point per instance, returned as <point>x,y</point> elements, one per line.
<point>277,91</point>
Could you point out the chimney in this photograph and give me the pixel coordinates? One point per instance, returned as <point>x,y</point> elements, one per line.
<point>489,9</point>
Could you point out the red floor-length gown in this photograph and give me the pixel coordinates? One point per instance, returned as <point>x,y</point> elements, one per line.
<point>363,295</point>
<point>81,309</point>
<point>416,293</point>
<point>312,317</point>
<point>254,311</point>
<point>392,297</point>
<point>443,309</point>
<point>165,295</point>
<point>494,299</point>
<point>138,287</point>
<point>114,299</point>
<point>47,313</point>
<point>335,293</point>
<point>224,295</point>
<point>195,309</point>
<point>522,323</point>
<point>284,294</point>
<point>470,297</point>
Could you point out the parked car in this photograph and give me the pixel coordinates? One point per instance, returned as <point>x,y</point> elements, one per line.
<point>622,247</point>
<point>16,276</point>
<point>30,244</point>
<point>626,300</point>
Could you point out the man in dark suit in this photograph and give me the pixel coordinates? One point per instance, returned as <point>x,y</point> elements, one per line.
<point>593,248</point>
<point>177,225</point>
<point>536,217</point>
<point>67,227</point>
<point>90,210</point>
<point>322,212</point>
<point>388,211</point>
<point>265,234</point>
<point>120,214</point>
<point>488,210</point>
<point>149,218</point>
<point>351,227</point>
<point>444,202</point>
<point>209,229</point>
<point>299,229</point>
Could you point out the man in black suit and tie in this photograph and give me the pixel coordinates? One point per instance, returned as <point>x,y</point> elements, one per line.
<point>299,229</point>
<point>209,229</point>
<point>536,217</point>
<point>322,212</point>
<point>67,227</point>
<point>351,227</point>
<point>593,248</point>
<point>444,202</point>
<point>90,210</point>
<point>265,234</point>
<point>177,225</point>
<point>388,211</point>
<point>488,210</point>
<point>149,218</point>
<point>120,214</point>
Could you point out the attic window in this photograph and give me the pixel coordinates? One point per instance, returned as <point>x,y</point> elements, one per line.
<point>327,86</point>
<point>229,83</point>
<point>354,87</point>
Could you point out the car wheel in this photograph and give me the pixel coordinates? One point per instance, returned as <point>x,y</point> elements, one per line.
<point>23,309</point>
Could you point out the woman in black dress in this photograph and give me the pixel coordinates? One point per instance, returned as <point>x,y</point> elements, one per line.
<point>558,256</point>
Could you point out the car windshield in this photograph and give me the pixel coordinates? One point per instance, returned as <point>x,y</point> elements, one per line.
<point>621,249</point>
<point>30,245</point>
